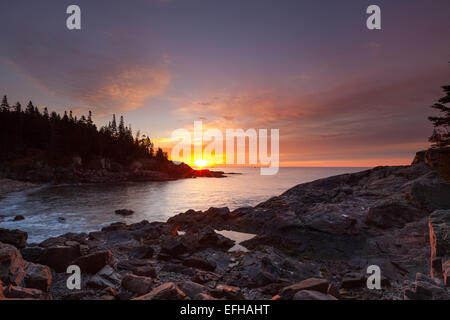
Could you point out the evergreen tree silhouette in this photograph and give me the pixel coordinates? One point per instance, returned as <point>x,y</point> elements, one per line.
<point>441,132</point>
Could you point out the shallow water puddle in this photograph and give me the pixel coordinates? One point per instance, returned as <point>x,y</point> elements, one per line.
<point>238,237</point>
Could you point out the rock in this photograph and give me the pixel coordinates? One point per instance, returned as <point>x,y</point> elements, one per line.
<point>202,277</point>
<point>124,212</point>
<point>312,295</point>
<point>149,231</point>
<point>332,290</point>
<point>142,252</point>
<point>147,271</point>
<point>14,292</point>
<point>123,237</point>
<point>19,218</point>
<point>193,290</point>
<point>18,272</point>
<point>124,295</point>
<point>173,247</point>
<point>218,213</point>
<point>426,288</point>
<point>38,277</point>
<point>98,282</point>
<point>446,272</point>
<point>229,292</point>
<point>110,274</point>
<point>208,238</point>
<point>438,158</point>
<point>352,280</point>
<point>199,263</point>
<point>33,254</point>
<point>16,238</point>
<point>314,284</point>
<point>137,284</point>
<point>439,226</point>
<point>391,213</point>
<point>167,291</point>
<point>60,257</point>
<point>431,195</point>
<point>178,268</point>
<point>63,240</point>
<point>2,297</point>
<point>138,267</point>
<point>115,226</point>
<point>94,262</point>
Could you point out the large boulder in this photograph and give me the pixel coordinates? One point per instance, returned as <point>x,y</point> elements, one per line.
<point>137,284</point>
<point>60,257</point>
<point>439,225</point>
<point>94,262</point>
<point>15,237</point>
<point>38,277</point>
<point>14,270</point>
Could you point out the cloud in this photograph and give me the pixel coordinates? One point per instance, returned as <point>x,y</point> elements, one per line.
<point>355,119</point>
<point>112,76</point>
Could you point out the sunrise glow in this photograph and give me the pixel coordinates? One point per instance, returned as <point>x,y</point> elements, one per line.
<point>201,163</point>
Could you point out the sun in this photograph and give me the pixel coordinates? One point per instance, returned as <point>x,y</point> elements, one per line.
<point>200,163</point>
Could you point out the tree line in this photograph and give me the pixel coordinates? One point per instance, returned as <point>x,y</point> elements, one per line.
<point>61,137</point>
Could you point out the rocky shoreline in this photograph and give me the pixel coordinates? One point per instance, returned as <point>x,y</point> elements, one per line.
<point>315,241</point>
<point>101,171</point>
<point>10,186</point>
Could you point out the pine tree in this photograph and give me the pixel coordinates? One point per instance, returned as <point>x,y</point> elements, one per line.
<point>18,107</point>
<point>441,132</point>
<point>30,108</point>
<point>46,116</point>
<point>113,126</point>
<point>121,128</point>
<point>5,105</point>
<point>161,156</point>
<point>89,120</point>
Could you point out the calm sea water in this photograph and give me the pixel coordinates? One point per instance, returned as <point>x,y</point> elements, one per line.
<point>54,210</point>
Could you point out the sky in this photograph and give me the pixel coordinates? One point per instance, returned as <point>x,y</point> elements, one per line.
<point>340,94</point>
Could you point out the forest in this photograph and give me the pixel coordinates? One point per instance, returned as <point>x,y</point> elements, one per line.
<point>59,138</point>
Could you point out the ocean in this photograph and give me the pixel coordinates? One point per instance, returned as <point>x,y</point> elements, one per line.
<point>54,210</point>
